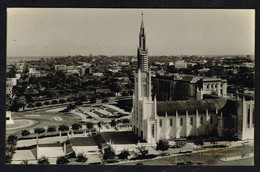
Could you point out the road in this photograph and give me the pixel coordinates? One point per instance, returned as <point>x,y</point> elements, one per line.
<point>208,158</point>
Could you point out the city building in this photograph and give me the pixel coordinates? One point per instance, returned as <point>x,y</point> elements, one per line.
<point>153,120</point>
<point>60,67</point>
<point>180,64</point>
<point>33,73</point>
<point>187,87</point>
<point>8,118</point>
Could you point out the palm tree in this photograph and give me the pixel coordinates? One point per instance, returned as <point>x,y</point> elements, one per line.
<point>63,128</point>
<point>99,125</point>
<point>89,126</point>
<point>39,131</point>
<point>51,129</point>
<point>76,126</point>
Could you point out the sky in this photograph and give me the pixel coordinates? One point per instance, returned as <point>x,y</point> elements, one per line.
<point>74,31</point>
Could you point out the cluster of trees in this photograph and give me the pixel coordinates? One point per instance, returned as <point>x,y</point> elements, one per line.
<point>81,157</point>
<point>61,128</point>
<point>10,147</point>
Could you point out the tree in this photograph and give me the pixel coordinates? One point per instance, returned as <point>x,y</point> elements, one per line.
<point>76,126</point>
<point>230,135</point>
<point>21,101</point>
<point>8,103</point>
<point>81,157</point>
<point>113,123</point>
<point>82,97</point>
<point>79,102</point>
<point>9,148</point>
<point>8,158</point>
<point>142,150</point>
<point>11,73</point>
<point>213,140</point>
<point>125,121</point>
<point>62,128</point>
<point>38,104</point>
<point>62,101</point>
<point>162,145</point>
<point>99,125</point>
<point>12,139</point>
<point>93,100</point>
<point>54,102</point>
<point>43,161</point>
<point>124,154</point>
<point>51,129</point>
<point>89,125</point>
<point>108,153</point>
<point>46,103</point>
<point>39,130</point>
<point>25,132</point>
<point>198,141</point>
<point>70,99</point>
<point>9,151</point>
<point>105,100</point>
<point>62,160</point>
<point>179,144</point>
<point>71,106</point>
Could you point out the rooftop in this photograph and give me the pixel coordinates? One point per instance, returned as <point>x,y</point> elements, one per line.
<point>191,105</point>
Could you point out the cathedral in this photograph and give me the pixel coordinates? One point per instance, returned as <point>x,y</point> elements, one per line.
<point>153,120</point>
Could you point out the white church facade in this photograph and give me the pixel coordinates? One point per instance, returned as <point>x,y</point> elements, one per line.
<point>153,120</point>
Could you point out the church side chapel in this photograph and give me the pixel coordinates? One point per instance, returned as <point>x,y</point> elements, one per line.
<point>153,120</point>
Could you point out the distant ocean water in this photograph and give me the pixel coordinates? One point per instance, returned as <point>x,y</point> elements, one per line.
<point>26,58</point>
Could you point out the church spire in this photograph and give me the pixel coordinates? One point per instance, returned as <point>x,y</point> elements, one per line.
<point>142,50</point>
<point>142,23</point>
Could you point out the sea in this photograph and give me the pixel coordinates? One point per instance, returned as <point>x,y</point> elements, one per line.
<point>27,58</point>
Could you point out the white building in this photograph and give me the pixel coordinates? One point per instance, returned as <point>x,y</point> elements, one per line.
<point>8,118</point>
<point>153,120</point>
<point>180,64</point>
<point>60,67</point>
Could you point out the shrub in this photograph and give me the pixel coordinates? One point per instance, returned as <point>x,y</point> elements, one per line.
<point>70,99</point>
<point>62,160</point>
<point>142,150</point>
<point>126,121</point>
<point>38,104</point>
<point>199,141</point>
<point>81,157</point>
<point>25,132</point>
<point>124,154</point>
<point>46,103</point>
<point>79,102</point>
<point>71,106</point>
<point>162,145</point>
<point>62,101</point>
<point>43,161</point>
<point>12,139</point>
<point>54,102</point>
<point>108,153</point>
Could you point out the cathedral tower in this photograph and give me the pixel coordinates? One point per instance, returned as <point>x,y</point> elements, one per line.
<point>142,100</point>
